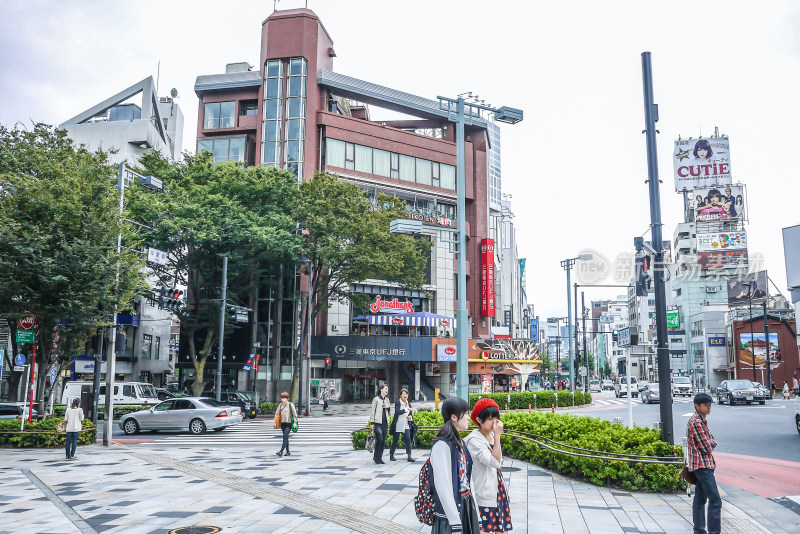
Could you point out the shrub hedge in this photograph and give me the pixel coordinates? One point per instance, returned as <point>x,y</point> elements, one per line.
<point>536,399</point>
<point>583,432</point>
<point>42,434</point>
<point>119,410</point>
<point>268,408</point>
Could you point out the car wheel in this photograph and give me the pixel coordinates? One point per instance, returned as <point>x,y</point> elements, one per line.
<point>797,422</point>
<point>730,399</point>
<point>219,429</point>
<point>719,399</point>
<point>252,416</point>
<point>131,426</point>
<point>762,402</point>
<point>197,426</point>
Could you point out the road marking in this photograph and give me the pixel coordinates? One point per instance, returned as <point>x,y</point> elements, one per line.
<point>688,414</point>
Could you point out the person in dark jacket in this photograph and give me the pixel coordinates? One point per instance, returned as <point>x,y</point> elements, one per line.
<point>400,425</point>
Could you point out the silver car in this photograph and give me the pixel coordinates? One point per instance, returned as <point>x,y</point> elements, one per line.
<point>650,394</point>
<point>194,414</point>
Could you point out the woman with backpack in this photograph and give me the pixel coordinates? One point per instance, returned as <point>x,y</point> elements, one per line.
<point>484,447</point>
<point>454,508</point>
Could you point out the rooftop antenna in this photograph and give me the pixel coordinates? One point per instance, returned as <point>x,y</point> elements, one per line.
<point>158,75</point>
<point>716,131</point>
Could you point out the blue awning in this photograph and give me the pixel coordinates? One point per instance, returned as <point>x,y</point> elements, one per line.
<point>409,319</point>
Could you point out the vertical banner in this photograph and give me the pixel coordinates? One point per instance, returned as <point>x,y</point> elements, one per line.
<point>487,278</point>
<point>535,330</point>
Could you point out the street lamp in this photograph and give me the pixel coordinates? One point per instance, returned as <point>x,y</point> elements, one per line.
<point>751,288</point>
<point>466,113</point>
<point>567,265</point>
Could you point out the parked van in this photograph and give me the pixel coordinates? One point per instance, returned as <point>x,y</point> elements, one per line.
<point>621,387</point>
<point>681,385</point>
<point>124,392</point>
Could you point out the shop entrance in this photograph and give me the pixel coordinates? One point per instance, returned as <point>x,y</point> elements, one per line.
<point>361,388</point>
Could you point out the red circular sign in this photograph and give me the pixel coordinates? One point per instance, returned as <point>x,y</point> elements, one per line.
<point>397,320</point>
<point>485,355</point>
<point>450,350</point>
<point>445,322</point>
<point>27,321</point>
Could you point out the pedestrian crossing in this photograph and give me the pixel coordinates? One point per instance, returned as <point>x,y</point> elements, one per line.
<point>313,431</point>
<point>635,400</point>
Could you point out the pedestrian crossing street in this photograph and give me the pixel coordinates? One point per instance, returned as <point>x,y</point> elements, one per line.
<point>313,431</point>
<point>636,400</point>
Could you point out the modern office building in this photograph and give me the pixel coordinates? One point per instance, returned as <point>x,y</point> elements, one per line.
<point>294,111</point>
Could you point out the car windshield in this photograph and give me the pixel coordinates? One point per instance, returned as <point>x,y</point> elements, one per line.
<point>681,380</point>
<point>739,384</point>
<point>247,396</point>
<point>148,391</point>
<point>211,402</point>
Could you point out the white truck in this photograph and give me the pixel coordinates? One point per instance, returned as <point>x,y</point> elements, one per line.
<point>124,392</point>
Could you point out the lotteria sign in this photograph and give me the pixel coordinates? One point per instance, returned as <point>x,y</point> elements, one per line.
<point>391,306</point>
<point>487,277</point>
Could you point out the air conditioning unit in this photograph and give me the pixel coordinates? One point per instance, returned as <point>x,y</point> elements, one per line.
<point>334,327</point>
<point>711,289</point>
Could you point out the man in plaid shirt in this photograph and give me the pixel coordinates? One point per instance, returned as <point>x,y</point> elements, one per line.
<point>701,446</point>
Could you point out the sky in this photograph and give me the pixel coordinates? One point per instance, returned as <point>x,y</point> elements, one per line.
<point>575,168</point>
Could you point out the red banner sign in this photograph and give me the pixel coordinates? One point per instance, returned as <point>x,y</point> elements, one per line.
<point>487,277</point>
<point>392,306</point>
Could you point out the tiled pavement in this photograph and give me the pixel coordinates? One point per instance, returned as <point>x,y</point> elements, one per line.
<point>156,488</point>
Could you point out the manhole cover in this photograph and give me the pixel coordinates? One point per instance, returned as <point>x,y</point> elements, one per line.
<point>195,530</point>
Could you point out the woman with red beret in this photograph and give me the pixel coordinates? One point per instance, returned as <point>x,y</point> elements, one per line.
<point>484,447</point>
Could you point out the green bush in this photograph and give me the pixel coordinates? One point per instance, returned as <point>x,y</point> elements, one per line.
<point>119,409</point>
<point>583,432</point>
<point>42,434</point>
<point>536,399</point>
<point>268,408</point>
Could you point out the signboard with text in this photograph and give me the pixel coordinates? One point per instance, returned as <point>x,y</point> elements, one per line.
<point>723,203</point>
<point>487,277</point>
<point>401,349</point>
<point>535,330</point>
<point>673,319</point>
<point>446,353</point>
<point>716,341</point>
<point>724,259</point>
<point>701,163</point>
<point>721,241</point>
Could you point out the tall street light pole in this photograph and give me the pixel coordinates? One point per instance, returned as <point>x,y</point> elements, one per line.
<point>466,113</point>
<point>567,265</point>
<point>750,290</point>
<point>650,119</point>
<point>222,310</point>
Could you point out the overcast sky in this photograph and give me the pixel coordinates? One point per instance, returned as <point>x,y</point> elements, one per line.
<point>576,165</point>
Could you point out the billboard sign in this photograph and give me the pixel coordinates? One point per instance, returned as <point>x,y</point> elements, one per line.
<point>712,204</point>
<point>753,347</point>
<point>446,353</point>
<point>487,277</point>
<point>673,319</point>
<point>721,241</point>
<point>534,330</point>
<point>716,341</point>
<point>724,259</point>
<point>738,289</point>
<point>701,163</point>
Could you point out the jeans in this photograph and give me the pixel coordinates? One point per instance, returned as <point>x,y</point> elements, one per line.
<point>380,441</point>
<point>72,443</point>
<point>406,440</point>
<point>706,490</point>
<point>286,428</point>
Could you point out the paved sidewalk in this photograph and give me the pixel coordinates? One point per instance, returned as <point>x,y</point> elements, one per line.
<point>156,488</point>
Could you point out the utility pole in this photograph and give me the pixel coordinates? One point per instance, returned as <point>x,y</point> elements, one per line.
<point>585,353</point>
<point>650,118</point>
<point>766,345</point>
<point>222,311</point>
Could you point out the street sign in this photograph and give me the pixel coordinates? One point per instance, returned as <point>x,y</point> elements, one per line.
<point>159,257</point>
<point>18,368</point>
<point>25,336</point>
<point>624,337</point>
<point>19,359</point>
<point>52,375</point>
<point>27,321</point>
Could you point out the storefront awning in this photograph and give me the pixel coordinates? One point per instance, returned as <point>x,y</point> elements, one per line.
<point>409,319</point>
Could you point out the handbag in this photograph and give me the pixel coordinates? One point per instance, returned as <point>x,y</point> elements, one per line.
<point>295,423</point>
<point>62,427</point>
<point>370,443</point>
<point>688,476</point>
<point>278,420</point>
<point>413,428</point>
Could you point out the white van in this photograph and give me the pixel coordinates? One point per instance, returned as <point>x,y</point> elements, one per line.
<point>681,385</point>
<point>621,387</point>
<point>124,392</point>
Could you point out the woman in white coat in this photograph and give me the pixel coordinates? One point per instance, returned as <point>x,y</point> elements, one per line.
<point>484,447</point>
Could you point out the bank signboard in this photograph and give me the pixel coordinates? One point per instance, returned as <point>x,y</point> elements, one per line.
<point>701,163</point>
<point>401,349</point>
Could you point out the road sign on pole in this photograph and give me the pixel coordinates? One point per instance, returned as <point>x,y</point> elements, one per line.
<point>19,359</point>
<point>25,336</point>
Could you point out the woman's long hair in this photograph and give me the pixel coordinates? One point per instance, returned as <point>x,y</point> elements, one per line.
<point>451,406</point>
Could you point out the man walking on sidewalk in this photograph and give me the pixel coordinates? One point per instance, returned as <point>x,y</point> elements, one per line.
<point>701,445</point>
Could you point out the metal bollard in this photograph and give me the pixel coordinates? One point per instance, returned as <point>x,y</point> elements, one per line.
<point>529,408</point>
<point>553,407</point>
<point>506,408</point>
<point>436,398</point>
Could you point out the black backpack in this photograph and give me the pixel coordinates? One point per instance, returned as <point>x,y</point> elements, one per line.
<point>423,502</point>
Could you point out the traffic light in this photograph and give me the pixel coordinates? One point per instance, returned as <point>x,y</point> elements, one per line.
<point>614,335</point>
<point>328,363</point>
<point>176,302</point>
<point>163,297</point>
<point>642,275</point>
<point>170,298</point>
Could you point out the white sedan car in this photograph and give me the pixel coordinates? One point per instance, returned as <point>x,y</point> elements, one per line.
<point>195,414</point>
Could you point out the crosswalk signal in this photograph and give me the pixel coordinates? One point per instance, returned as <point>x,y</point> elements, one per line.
<point>328,363</point>
<point>614,335</point>
<point>163,297</point>
<point>642,278</point>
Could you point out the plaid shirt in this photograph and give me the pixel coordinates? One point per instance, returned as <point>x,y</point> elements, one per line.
<point>701,444</point>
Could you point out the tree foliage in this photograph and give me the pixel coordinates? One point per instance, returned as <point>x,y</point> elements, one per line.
<point>59,222</point>
<point>210,211</point>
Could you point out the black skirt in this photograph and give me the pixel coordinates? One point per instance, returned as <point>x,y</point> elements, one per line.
<point>469,519</point>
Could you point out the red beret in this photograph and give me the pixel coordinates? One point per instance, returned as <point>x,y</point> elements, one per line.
<point>479,407</point>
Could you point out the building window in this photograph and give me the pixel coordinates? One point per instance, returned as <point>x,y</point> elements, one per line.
<point>273,98</point>
<point>219,115</point>
<point>248,107</point>
<point>296,116</point>
<point>224,148</point>
<point>157,348</point>
<point>349,156</point>
<point>147,346</point>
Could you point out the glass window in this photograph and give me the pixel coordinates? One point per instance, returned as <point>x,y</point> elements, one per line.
<point>395,172</point>
<point>295,107</point>
<point>349,156</point>
<point>147,346</point>
<point>334,152</point>
<point>157,348</point>
<point>273,87</point>
<point>406,168</point>
<point>248,107</point>
<point>205,144</point>
<point>294,128</point>
<point>164,406</point>
<point>236,152</point>
<point>363,159</point>
<point>273,68</point>
<point>293,150</point>
<point>448,177</point>
<point>221,147</point>
<point>211,116</point>
<point>296,86</point>
<point>381,162</point>
<point>271,131</point>
<point>435,174</point>
<point>272,109</point>
<point>226,113</point>
<point>127,391</point>
<point>297,66</point>
<point>270,152</point>
<point>424,172</point>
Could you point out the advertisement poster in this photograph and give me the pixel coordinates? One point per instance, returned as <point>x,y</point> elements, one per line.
<point>751,345</point>
<point>487,277</point>
<point>701,163</point>
<point>486,383</point>
<point>725,203</point>
<point>721,241</point>
<point>726,259</point>
<point>673,319</point>
<point>433,369</point>
<point>535,330</point>
<point>739,289</point>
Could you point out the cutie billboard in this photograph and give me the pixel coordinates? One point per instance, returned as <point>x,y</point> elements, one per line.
<point>701,163</point>
<point>711,204</point>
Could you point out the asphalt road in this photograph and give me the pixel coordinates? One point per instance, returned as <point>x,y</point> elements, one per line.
<point>764,431</point>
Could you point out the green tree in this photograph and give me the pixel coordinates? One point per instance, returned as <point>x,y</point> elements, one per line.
<point>210,211</point>
<point>346,239</point>
<point>59,222</point>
